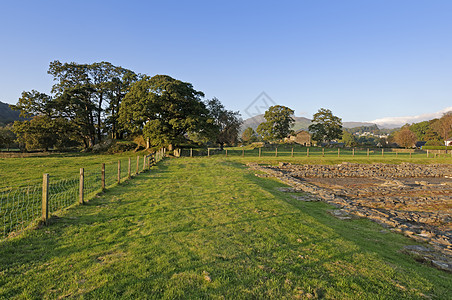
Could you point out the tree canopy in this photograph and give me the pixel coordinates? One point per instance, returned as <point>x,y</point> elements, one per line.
<point>163,109</point>
<point>279,120</point>
<point>325,126</point>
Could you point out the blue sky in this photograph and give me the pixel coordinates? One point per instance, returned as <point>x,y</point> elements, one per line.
<point>364,60</point>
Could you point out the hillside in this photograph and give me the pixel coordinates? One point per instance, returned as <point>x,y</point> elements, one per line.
<point>7,115</point>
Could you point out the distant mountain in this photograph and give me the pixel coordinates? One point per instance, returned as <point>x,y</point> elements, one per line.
<point>356,124</point>
<point>7,115</point>
<point>394,122</point>
<point>300,123</point>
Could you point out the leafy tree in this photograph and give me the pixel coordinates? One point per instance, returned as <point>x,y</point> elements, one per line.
<point>349,139</point>
<point>163,109</point>
<point>91,90</point>
<point>279,120</point>
<point>226,123</point>
<point>444,125</point>
<point>249,135</point>
<point>7,136</point>
<point>43,132</point>
<point>326,127</point>
<point>34,103</point>
<point>420,129</point>
<point>405,137</point>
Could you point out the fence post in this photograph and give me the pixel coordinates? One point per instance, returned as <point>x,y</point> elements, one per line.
<point>410,154</point>
<point>353,152</point>
<point>144,162</point>
<point>382,152</point>
<point>243,152</point>
<point>368,153</point>
<point>427,152</point>
<point>138,163</point>
<point>276,152</point>
<point>129,170</point>
<point>260,151</point>
<point>396,154</point>
<point>292,152</point>
<point>307,152</point>
<point>323,152</point>
<point>208,152</point>
<point>226,152</point>
<point>191,152</point>
<point>119,171</point>
<point>102,178</point>
<point>45,198</point>
<point>82,183</point>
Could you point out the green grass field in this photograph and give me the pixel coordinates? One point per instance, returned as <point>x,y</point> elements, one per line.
<point>208,228</point>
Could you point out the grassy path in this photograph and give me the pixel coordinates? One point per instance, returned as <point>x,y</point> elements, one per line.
<point>208,228</point>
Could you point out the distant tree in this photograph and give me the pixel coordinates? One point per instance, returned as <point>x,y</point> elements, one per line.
<point>226,123</point>
<point>279,120</point>
<point>326,126</point>
<point>348,139</point>
<point>249,135</point>
<point>163,109</point>
<point>405,137</point>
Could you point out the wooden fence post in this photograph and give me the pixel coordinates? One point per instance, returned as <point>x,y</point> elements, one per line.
<point>410,154</point>
<point>396,154</point>
<point>129,170</point>
<point>82,183</point>
<point>226,152</point>
<point>353,152</point>
<point>208,152</point>
<point>102,178</point>
<point>292,152</point>
<point>323,152</point>
<point>243,152</point>
<point>382,152</point>
<point>119,171</point>
<point>260,151</point>
<point>307,152</point>
<point>45,198</point>
<point>144,162</point>
<point>191,152</point>
<point>138,163</point>
<point>368,153</point>
<point>276,152</point>
<point>338,152</point>
<point>427,152</point>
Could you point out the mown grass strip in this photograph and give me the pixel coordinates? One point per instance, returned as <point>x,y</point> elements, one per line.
<point>208,228</point>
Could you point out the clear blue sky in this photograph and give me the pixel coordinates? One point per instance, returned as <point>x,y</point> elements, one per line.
<point>362,59</point>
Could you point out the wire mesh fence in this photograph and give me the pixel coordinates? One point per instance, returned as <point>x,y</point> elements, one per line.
<point>22,206</point>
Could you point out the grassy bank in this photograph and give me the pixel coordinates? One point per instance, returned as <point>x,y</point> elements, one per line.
<point>208,228</point>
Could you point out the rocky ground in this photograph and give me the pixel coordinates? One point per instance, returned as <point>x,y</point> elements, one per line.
<point>415,200</point>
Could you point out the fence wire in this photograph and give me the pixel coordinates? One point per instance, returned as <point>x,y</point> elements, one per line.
<point>18,208</point>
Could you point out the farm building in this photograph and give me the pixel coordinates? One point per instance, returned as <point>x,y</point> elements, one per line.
<point>301,137</point>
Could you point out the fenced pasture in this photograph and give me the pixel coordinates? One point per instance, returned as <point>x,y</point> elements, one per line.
<point>318,154</point>
<point>208,228</point>
<point>34,196</point>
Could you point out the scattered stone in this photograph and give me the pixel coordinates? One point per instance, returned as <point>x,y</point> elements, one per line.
<point>384,193</point>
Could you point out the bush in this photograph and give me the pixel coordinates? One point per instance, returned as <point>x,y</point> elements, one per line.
<point>436,147</point>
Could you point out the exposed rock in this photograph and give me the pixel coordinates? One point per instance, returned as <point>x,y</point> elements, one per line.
<point>386,194</point>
